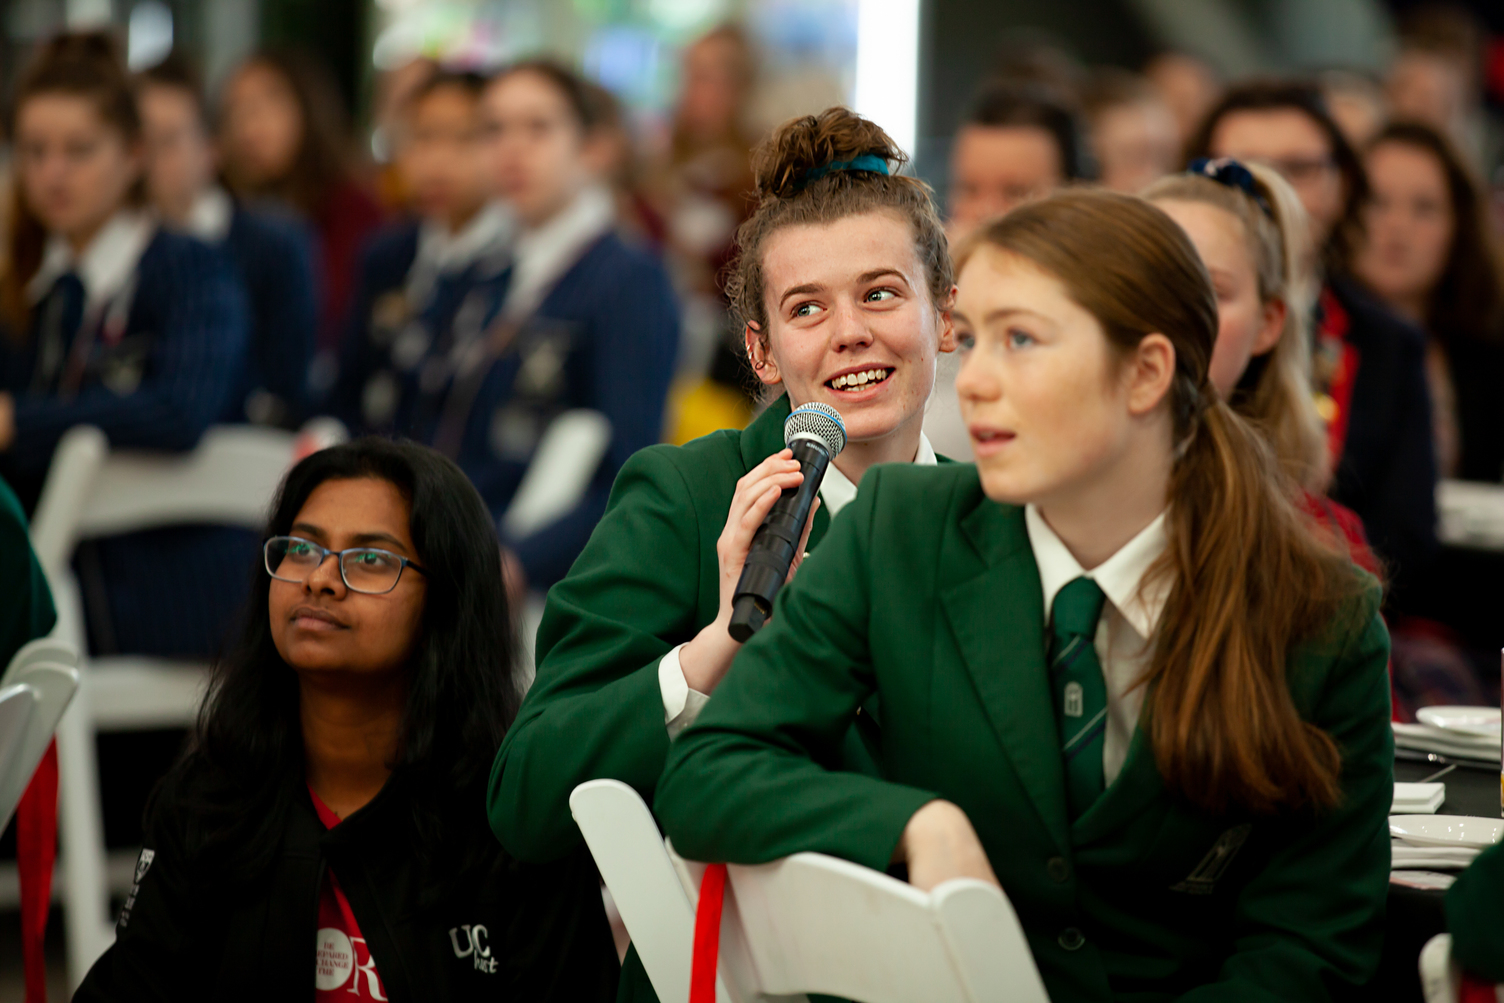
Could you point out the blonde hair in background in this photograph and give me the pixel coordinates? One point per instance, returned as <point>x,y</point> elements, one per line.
<point>1281,404</point>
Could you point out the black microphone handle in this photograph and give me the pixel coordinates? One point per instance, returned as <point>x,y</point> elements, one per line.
<point>773,547</point>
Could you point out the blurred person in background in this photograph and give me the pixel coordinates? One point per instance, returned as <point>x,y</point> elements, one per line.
<point>703,190</point>
<point>1019,143</point>
<point>1437,78</point>
<point>1357,103</point>
<point>1188,87</point>
<point>579,320</point>
<point>1250,230</point>
<point>425,284</point>
<point>1369,370</point>
<point>114,321</point>
<point>321,839</point>
<point>1431,257</point>
<point>1133,133</point>
<point>272,252</point>
<point>283,137</point>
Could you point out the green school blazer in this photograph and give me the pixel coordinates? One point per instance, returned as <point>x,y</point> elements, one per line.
<point>1475,915</point>
<point>926,593</point>
<point>647,580</point>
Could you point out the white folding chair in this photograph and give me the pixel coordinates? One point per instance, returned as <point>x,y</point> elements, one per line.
<point>811,923</point>
<point>629,852</point>
<point>47,666</point>
<point>18,707</point>
<point>229,479</point>
<point>1440,976</point>
<point>556,479</point>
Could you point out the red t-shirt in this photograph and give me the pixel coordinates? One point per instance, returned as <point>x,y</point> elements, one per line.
<point>344,970</point>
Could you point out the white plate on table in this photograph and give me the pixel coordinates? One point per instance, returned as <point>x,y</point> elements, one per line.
<point>1447,830</point>
<point>1480,722</point>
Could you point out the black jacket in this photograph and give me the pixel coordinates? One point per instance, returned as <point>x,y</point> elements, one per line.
<point>1387,471</point>
<point>494,929</point>
<point>1476,367</point>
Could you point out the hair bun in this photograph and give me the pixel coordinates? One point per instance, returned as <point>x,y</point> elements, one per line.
<point>782,163</point>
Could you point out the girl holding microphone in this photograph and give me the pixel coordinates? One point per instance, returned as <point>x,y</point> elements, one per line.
<point>844,281</point>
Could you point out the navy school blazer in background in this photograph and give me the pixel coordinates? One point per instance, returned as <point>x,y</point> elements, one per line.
<point>604,338</point>
<point>273,256</point>
<point>926,592</point>
<point>1387,470</point>
<point>369,337</point>
<point>181,356</point>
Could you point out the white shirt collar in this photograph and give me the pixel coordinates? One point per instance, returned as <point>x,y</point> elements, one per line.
<point>107,265</point>
<point>546,253</point>
<point>491,227</point>
<point>1120,577</point>
<point>209,219</point>
<point>837,491</point>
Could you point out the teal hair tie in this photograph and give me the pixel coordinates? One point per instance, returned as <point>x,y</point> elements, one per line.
<point>866,162</point>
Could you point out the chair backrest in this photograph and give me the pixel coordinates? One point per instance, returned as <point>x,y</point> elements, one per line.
<point>228,479</point>
<point>51,650</point>
<point>811,923</point>
<point>629,852</point>
<point>18,705</point>
<point>54,686</point>
<point>560,471</point>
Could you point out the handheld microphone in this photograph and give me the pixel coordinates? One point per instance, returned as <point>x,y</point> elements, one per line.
<point>816,434</point>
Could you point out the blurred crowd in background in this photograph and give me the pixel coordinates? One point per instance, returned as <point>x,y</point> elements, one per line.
<point>501,244</point>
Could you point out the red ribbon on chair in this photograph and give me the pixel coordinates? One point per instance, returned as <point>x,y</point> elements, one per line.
<point>707,934</point>
<point>36,851</point>
<point>1476,991</point>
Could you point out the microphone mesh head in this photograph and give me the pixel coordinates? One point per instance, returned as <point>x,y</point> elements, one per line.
<point>820,422</point>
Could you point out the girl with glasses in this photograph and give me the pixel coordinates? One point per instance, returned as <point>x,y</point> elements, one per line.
<point>844,283</point>
<point>1119,678</point>
<point>324,828</point>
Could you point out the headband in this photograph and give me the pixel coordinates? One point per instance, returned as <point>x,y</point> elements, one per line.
<point>866,162</point>
<point>1227,171</point>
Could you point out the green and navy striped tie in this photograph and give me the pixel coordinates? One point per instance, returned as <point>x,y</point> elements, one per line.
<point>1079,689</point>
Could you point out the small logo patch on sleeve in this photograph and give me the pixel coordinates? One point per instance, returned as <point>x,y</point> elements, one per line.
<point>143,864</point>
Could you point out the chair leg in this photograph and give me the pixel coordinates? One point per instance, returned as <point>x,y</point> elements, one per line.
<point>86,896</point>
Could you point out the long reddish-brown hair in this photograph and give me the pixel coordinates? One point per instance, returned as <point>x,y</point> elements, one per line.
<point>81,64</point>
<point>1246,579</point>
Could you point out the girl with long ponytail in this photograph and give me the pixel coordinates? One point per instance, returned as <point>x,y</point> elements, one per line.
<point>1119,676</point>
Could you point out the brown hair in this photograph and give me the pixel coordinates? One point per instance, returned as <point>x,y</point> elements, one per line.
<point>788,196</point>
<point>322,161</point>
<point>1245,578</point>
<point>1468,300</point>
<point>1278,399</point>
<point>584,106</point>
<point>80,64</point>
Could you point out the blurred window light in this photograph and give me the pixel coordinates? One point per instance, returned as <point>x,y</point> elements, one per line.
<point>626,60</point>
<point>149,36</point>
<point>82,14</point>
<point>686,15</point>
<point>887,67</point>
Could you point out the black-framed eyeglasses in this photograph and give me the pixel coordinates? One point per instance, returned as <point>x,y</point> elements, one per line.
<point>368,570</point>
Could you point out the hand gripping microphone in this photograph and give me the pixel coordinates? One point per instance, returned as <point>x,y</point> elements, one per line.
<point>816,434</point>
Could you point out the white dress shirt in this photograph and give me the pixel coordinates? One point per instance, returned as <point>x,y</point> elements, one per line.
<point>681,705</point>
<point>1125,632</point>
